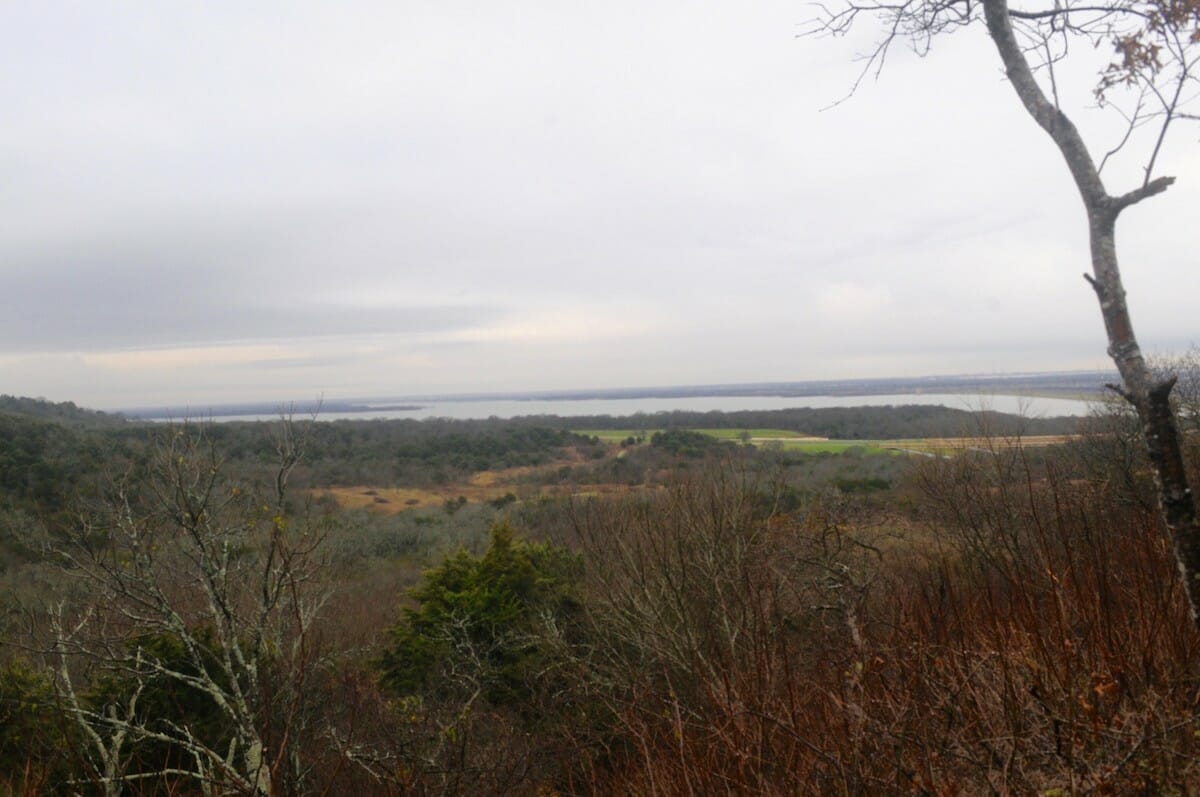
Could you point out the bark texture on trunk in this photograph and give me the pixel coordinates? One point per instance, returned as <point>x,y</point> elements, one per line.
<point>1151,398</point>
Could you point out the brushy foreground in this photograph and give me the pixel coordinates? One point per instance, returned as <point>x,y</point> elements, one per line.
<point>1008,623</point>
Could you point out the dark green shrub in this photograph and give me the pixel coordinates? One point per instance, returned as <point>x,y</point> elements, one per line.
<point>479,620</point>
<point>32,743</point>
<point>164,701</point>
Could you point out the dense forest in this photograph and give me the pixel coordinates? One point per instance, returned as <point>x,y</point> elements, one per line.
<point>750,603</point>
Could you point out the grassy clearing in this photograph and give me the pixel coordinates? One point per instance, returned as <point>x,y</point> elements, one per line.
<point>822,446</point>
<point>790,440</point>
<point>481,487</point>
<point>616,435</point>
<point>784,438</point>
<point>486,485</point>
<point>937,446</point>
<point>755,435</point>
<point>493,484</point>
<point>955,445</point>
<point>392,500</point>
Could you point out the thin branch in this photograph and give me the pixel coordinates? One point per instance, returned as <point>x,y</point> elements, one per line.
<point>1062,12</point>
<point>1133,121</point>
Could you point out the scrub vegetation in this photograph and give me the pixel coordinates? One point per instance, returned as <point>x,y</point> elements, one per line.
<point>534,607</point>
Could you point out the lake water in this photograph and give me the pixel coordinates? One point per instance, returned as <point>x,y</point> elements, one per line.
<point>1032,406</point>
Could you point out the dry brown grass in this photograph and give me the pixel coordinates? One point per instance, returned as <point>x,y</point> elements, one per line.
<point>525,482</point>
<point>395,500</point>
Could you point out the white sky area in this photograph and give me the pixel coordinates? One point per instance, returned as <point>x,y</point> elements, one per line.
<point>208,202</point>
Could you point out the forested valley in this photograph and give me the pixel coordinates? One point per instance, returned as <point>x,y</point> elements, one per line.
<point>874,600</point>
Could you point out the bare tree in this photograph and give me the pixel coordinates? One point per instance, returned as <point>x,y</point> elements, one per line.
<point>1154,74</point>
<point>225,575</point>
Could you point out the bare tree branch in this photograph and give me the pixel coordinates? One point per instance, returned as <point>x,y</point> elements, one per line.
<point>220,570</point>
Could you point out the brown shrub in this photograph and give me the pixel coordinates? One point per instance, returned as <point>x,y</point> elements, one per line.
<point>1039,642</point>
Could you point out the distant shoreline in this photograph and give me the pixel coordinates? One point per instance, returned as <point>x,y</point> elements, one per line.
<point>1081,385</point>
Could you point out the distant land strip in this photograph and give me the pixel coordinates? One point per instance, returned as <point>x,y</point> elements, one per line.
<point>1056,384</point>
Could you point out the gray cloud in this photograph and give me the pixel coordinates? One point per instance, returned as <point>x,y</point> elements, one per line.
<point>123,301</point>
<point>458,195</point>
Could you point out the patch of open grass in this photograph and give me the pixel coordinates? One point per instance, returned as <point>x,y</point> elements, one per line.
<point>392,500</point>
<point>817,446</point>
<point>616,435</point>
<point>790,440</point>
<point>753,434</point>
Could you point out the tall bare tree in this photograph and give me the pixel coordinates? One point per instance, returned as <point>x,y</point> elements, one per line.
<point>1153,74</point>
<point>194,585</point>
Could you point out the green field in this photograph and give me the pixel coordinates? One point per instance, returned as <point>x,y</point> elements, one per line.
<point>617,435</point>
<point>755,434</point>
<point>834,446</point>
<point>786,439</point>
<point>789,440</point>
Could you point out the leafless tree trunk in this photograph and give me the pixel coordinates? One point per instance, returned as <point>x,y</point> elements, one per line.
<point>1150,396</point>
<point>1157,43</point>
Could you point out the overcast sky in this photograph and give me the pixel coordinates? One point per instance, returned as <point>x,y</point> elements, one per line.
<point>208,202</point>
